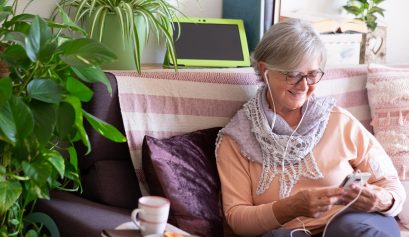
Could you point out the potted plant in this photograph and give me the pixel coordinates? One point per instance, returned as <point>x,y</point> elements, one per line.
<point>365,10</point>
<point>373,46</point>
<point>41,114</point>
<point>125,25</point>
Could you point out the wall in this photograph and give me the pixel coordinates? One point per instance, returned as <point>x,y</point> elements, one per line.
<point>396,19</point>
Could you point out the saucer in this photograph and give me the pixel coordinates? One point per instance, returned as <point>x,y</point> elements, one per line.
<point>154,235</point>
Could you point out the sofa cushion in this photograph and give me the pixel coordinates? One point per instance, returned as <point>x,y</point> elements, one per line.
<point>183,169</point>
<point>112,182</point>
<point>388,95</point>
<point>107,173</point>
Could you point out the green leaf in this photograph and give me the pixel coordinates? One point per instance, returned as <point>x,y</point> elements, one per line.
<point>73,157</point>
<point>23,118</point>
<point>353,9</point>
<point>377,10</point>
<point>78,89</point>
<point>45,90</point>
<point>38,171</point>
<point>4,14</point>
<point>31,233</point>
<point>85,52</point>
<point>45,220</point>
<point>44,120</point>
<point>66,22</point>
<point>35,190</point>
<point>5,90</point>
<point>16,37</point>
<point>57,161</point>
<point>104,128</point>
<point>38,38</point>
<point>23,17</point>
<point>16,56</point>
<point>92,75</point>
<point>7,124</point>
<point>65,120</point>
<point>72,174</point>
<point>76,104</point>
<point>10,192</point>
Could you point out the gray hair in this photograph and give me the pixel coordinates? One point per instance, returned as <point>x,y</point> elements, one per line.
<point>286,44</point>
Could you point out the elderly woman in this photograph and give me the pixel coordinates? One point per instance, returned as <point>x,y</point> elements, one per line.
<point>282,157</point>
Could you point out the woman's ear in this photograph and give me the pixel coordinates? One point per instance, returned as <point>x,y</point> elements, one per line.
<point>261,67</point>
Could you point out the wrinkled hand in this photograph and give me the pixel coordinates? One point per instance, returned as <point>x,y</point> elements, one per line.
<point>313,203</point>
<point>372,198</point>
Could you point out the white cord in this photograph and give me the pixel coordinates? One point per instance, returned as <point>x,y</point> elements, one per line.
<point>273,122</point>
<point>282,167</point>
<point>286,147</point>
<point>344,208</point>
<point>306,231</point>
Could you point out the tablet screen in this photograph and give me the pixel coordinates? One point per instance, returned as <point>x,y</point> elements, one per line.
<point>207,41</point>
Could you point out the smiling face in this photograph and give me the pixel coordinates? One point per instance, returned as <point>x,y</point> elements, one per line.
<point>289,98</point>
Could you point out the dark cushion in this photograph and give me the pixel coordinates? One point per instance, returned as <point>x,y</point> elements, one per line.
<point>105,107</point>
<point>183,169</point>
<point>110,182</point>
<point>107,173</point>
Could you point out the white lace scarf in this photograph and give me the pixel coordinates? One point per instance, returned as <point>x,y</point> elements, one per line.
<point>299,160</point>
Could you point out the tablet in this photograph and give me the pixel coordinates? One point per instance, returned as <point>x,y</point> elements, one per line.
<point>209,42</point>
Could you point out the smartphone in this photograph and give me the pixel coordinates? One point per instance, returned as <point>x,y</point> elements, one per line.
<point>355,178</point>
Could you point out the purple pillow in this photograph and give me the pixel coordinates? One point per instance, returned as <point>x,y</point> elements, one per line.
<point>183,169</point>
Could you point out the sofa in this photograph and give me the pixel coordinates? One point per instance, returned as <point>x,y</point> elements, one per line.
<point>171,122</point>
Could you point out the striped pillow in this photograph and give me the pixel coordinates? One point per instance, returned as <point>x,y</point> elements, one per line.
<point>388,92</point>
<point>162,103</point>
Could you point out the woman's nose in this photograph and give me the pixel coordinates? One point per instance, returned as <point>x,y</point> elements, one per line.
<point>302,84</point>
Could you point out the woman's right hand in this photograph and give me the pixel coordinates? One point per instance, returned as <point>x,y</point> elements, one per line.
<point>315,202</point>
<point>309,203</point>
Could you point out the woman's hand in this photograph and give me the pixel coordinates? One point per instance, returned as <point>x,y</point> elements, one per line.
<point>308,203</point>
<point>371,199</point>
<point>315,202</point>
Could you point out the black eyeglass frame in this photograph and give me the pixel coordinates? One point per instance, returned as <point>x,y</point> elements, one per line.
<point>285,73</point>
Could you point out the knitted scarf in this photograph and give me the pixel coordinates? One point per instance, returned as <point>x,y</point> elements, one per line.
<point>280,145</point>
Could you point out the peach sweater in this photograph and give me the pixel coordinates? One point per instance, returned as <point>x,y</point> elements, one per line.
<point>345,145</point>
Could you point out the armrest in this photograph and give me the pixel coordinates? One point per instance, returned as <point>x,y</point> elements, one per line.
<point>76,216</point>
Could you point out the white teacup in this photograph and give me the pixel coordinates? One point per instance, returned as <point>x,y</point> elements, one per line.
<point>151,216</point>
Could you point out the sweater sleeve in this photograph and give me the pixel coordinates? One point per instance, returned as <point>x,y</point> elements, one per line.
<point>372,158</point>
<point>241,214</point>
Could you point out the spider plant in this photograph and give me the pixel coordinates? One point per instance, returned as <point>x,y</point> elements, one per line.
<point>156,15</point>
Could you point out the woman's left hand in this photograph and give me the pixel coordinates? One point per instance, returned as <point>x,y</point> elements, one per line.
<point>372,198</point>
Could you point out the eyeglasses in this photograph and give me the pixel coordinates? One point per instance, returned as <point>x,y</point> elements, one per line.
<point>294,77</point>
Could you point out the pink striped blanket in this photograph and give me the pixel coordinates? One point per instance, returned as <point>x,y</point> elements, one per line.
<point>162,103</point>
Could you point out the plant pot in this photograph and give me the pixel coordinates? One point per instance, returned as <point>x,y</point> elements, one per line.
<point>123,48</point>
<point>373,46</point>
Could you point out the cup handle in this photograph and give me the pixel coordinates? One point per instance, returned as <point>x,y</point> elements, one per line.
<point>134,218</point>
